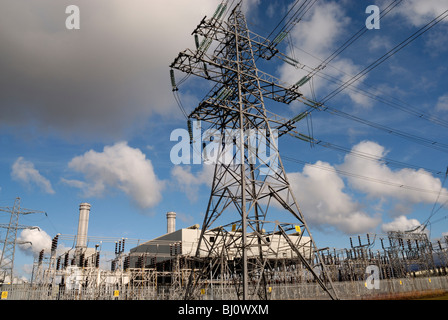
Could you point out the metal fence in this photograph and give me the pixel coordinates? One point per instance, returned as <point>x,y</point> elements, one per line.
<point>347,290</point>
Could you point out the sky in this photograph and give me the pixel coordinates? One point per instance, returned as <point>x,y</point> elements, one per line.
<point>86,115</point>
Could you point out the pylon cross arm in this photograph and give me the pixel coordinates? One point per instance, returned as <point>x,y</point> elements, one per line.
<point>213,68</point>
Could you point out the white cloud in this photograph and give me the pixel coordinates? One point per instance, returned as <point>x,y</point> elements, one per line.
<point>320,194</point>
<point>27,269</point>
<point>377,170</point>
<point>24,171</point>
<point>120,167</point>
<point>248,5</point>
<point>185,218</point>
<point>421,12</point>
<point>380,42</point>
<point>189,182</point>
<point>418,13</point>
<point>318,35</point>
<point>401,223</point>
<point>272,9</point>
<point>324,196</point>
<point>350,70</point>
<point>39,239</point>
<point>442,103</point>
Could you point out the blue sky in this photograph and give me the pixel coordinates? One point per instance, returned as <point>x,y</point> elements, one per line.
<point>86,116</point>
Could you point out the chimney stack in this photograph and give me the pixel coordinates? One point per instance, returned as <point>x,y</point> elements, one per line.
<point>171,221</point>
<point>83,224</point>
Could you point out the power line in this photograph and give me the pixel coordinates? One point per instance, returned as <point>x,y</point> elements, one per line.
<point>392,101</point>
<point>407,108</point>
<point>388,55</point>
<point>383,98</point>
<point>352,39</point>
<point>365,155</point>
<point>411,137</point>
<point>294,19</point>
<point>397,103</point>
<point>313,105</point>
<point>433,210</point>
<point>180,105</point>
<point>366,178</point>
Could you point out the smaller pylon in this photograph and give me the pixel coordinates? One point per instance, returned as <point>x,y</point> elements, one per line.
<point>9,246</point>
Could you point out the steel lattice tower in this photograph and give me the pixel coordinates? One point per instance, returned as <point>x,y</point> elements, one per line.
<point>9,246</point>
<point>243,230</point>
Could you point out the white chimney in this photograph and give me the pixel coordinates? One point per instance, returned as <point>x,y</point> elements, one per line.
<point>83,224</point>
<point>171,222</point>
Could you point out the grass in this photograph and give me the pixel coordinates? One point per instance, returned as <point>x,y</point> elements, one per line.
<point>441,296</point>
<point>416,295</point>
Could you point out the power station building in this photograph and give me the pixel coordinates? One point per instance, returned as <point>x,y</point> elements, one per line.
<point>177,242</point>
<point>184,242</point>
<point>165,260</point>
<point>163,267</point>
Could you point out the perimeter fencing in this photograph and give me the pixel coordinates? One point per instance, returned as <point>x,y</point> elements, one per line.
<point>346,290</point>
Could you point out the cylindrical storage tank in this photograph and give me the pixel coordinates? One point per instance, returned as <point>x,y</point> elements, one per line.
<point>83,224</point>
<point>171,222</point>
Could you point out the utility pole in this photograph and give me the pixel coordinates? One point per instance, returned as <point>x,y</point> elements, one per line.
<point>242,215</point>
<point>9,246</point>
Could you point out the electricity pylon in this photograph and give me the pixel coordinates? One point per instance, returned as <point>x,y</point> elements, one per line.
<point>9,246</point>
<point>251,210</point>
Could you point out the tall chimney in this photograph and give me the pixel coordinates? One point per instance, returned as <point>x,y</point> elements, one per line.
<point>83,224</point>
<point>171,222</point>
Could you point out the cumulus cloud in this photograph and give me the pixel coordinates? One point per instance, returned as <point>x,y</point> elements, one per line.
<point>442,103</point>
<point>247,5</point>
<point>421,12</point>
<point>325,200</point>
<point>380,171</point>
<point>401,223</point>
<point>322,197</point>
<point>320,194</point>
<point>328,200</point>
<point>39,240</point>
<point>24,171</point>
<point>118,167</point>
<point>317,36</point>
<point>99,81</point>
<point>189,182</point>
